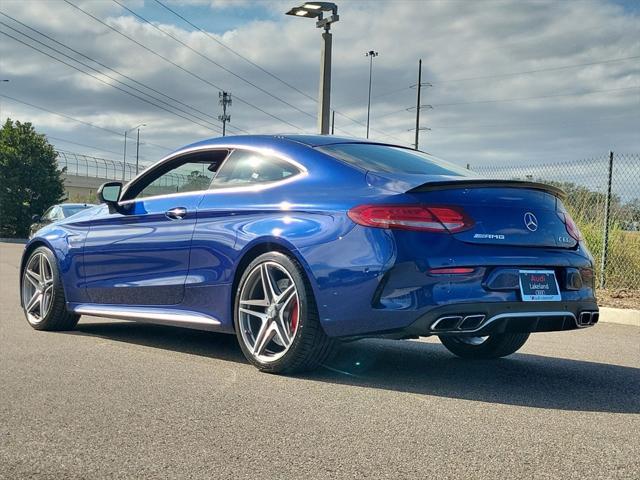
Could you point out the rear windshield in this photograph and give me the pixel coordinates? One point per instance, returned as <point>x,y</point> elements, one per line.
<point>384,158</point>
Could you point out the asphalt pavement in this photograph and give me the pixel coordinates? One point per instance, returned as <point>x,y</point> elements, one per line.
<point>127,400</point>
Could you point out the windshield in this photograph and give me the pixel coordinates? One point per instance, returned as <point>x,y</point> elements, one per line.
<point>385,158</point>
<point>72,210</point>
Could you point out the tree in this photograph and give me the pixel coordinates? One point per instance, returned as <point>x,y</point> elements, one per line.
<point>30,181</point>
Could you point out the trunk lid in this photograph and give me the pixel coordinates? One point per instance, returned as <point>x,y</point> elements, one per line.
<point>504,212</point>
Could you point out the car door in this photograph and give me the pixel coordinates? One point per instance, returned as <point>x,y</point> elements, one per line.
<point>140,254</point>
<point>240,185</point>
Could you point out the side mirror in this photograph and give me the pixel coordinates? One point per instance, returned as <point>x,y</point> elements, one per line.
<point>109,193</point>
<point>36,218</point>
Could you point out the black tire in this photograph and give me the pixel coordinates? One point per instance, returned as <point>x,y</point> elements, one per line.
<point>310,346</point>
<point>495,346</point>
<point>57,317</point>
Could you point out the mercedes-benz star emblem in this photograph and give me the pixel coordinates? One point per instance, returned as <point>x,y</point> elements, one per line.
<point>530,221</point>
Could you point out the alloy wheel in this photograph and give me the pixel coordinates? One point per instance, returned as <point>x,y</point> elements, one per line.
<point>268,311</point>
<point>37,287</point>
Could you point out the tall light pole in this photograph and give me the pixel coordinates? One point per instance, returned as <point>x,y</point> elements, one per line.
<point>370,54</point>
<point>124,155</point>
<point>316,10</point>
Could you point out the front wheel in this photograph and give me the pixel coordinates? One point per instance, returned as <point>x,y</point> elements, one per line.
<point>492,346</point>
<point>43,299</point>
<point>276,318</point>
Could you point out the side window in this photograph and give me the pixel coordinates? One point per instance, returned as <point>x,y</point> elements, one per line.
<point>244,167</point>
<point>188,177</point>
<point>47,215</point>
<point>189,173</point>
<point>56,214</point>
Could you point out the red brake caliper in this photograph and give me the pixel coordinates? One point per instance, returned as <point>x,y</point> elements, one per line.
<point>294,317</point>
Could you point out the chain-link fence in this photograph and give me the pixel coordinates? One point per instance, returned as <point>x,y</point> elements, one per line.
<point>80,165</point>
<point>603,197</point>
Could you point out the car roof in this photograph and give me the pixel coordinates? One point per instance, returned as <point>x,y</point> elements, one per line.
<point>308,140</point>
<point>76,205</point>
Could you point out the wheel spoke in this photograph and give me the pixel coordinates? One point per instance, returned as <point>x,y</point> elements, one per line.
<point>260,315</point>
<point>286,295</point>
<point>286,299</point>
<point>43,274</point>
<point>34,301</point>
<point>282,330</point>
<point>257,303</point>
<point>267,283</point>
<point>265,334</point>
<point>33,278</point>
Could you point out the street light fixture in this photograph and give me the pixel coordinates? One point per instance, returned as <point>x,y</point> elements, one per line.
<point>371,54</point>
<point>124,156</point>
<point>317,10</point>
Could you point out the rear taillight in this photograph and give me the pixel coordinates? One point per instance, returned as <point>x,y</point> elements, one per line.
<point>572,228</point>
<point>412,217</point>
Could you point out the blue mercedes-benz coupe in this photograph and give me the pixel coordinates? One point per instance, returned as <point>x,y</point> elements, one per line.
<point>295,242</point>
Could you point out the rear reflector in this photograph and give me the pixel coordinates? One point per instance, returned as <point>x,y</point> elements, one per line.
<point>451,271</point>
<point>412,217</point>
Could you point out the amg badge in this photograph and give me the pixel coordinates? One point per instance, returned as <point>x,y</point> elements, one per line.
<point>491,236</point>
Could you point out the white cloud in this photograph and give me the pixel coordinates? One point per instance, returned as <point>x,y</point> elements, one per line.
<point>455,39</point>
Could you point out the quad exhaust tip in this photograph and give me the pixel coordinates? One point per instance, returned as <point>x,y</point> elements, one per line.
<point>458,323</point>
<point>588,318</point>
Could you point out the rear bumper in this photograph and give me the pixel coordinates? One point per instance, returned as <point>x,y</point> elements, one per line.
<point>490,318</point>
<point>482,319</point>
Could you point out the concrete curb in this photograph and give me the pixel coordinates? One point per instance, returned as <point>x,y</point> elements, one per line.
<point>622,316</point>
<point>13,240</point>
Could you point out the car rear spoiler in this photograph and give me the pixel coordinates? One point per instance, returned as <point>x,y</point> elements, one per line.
<point>484,183</point>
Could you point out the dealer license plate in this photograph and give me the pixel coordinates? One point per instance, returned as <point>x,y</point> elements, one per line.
<point>539,286</point>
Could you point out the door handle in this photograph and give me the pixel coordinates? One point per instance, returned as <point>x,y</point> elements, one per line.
<point>176,213</point>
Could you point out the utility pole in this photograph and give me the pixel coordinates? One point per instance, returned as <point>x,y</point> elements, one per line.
<point>370,54</point>
<point>419,106</point>
<point>124,156</point>
<point>225,101</point>
<point>137,151</point>
<point>418,103</point>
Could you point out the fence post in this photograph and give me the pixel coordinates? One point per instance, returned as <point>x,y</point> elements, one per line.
<point>607,212</point>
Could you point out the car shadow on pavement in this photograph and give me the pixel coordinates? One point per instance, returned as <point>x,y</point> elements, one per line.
<point>425,368</point>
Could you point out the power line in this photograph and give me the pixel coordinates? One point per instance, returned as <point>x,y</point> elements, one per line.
<point>68,117</point>
<point>64,140</point>
<point>224,45</point>
<point>518,99</point>
<point>179,66</point>
<point>209,59</point>
<point>513,74</point>
<point>548,69</point>
<point>505,100</point>
<point>115,71</point>
<point>209,127</point>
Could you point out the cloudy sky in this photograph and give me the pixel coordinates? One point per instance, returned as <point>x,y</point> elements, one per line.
<point>513,82</point>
